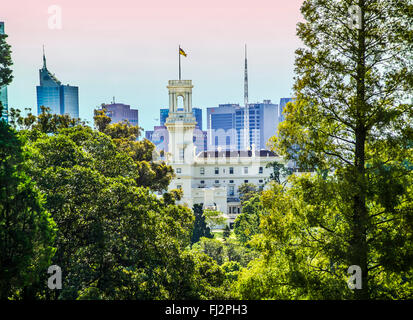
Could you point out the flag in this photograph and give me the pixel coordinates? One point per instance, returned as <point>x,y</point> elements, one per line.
<point>182,52</point>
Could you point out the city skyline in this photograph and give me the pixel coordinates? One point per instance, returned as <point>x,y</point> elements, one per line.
<point>136,70</point>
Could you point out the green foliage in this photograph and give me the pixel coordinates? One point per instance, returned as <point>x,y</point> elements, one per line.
<point>227,232</point>
<point>247,191</point>
<point>154,174</point>
<point>214,218</point>
<point>247,224</point>
<point>351,122</point>
<point>280,172</point>
<point>6,76</point>
<point>214,249</point>
<point>115,238</point>
<point>26,228</point>
<point>113,233</point>
<point>200,227</point>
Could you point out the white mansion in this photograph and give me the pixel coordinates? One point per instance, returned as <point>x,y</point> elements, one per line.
<point>209,177</point>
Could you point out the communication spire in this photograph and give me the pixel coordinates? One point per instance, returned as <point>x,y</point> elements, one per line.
<point>246,79</point>
<point>246,108</point>
<point>44,59</point>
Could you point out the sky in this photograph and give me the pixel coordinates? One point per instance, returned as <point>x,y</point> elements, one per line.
<point>128,49</point>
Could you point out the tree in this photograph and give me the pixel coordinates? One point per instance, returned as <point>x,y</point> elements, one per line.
<point>101,119</point>
<point>214,249</point>
<point>214,218</point>
<point>156,174</point>
<point>6,62</point>
<point>227,232</point>
<point>280,172</point>
<point>116,239</point>
<point>200,227</point>
<point>247,191</point>
<point>352,122</point>
<point>26,229</point>
<point>247,224</point>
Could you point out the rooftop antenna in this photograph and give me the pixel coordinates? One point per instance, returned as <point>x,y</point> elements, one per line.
<point>44,59</point>
<point>246,109</point>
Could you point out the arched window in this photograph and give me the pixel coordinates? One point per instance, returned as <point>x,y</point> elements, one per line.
<point>180,103</point>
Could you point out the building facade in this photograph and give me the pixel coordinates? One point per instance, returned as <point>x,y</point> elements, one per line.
<point>3,90</point>
<point>227,126</point>
<point>120,112</point>
<point>211,178</point>
<point>51,93</point>
<point>159,136</point>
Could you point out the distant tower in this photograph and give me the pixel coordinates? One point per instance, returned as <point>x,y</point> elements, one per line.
<point>246,109</point>
<point>246,79</point>
<point>51,93</point>
<point>181,123</point>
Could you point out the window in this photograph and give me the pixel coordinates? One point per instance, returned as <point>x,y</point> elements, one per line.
<point>202,170</point>
<point>245,181</point>
<point>231,170</point>
<point>245,170</point>
<point>231,190</point>
<point>181,154</point>
<point>231,181</point>
<point>202,181</point>
<point>261,181</point>
<point>216,181</point>
<point>179,186</point>
<point>260,170</point>
<point>216,170</point>
<point>178,170</point>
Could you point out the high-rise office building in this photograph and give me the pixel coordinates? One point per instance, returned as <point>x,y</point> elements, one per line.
<point>119,112</point>
<point>263,122</point>
<point>61,99</point>
<point>221,127</point>
<point>227,128</point>
<point>232,127</point>
<point>3,90</point>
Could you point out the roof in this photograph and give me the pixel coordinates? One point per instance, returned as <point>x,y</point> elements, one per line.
<point>235,154</point>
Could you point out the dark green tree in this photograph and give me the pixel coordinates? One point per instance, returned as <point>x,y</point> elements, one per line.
<point>26,229</point>
<point>200,227</point>
<point>247,223</point>
<point>6,62</point>
<point>227,232</point>
<point>247,191</point>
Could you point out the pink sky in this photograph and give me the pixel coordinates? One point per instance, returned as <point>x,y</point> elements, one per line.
<point>128,49</point>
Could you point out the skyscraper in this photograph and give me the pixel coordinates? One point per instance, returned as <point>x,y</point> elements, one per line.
<point>3,90</point>
<point>61,99</point>
<point>227,127</point>
<point>120,112</point>
<point>221,127</point>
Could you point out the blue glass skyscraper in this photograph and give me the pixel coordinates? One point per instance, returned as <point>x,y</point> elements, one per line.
<point>3,90</point>
<point>226,125</point>
<point>61,99</point>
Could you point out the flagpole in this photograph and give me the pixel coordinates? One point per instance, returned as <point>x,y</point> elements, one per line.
<point>179,54</point>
